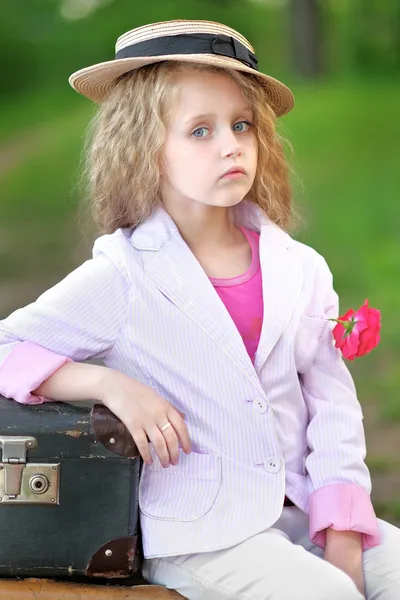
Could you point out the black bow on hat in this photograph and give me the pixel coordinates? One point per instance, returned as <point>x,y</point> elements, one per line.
<point>222,45</point>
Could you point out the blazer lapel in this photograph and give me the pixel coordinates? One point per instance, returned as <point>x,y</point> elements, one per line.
<point>179,276</point>
<point>282,279</point>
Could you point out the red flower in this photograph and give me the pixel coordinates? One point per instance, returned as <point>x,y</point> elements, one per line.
<point>357,333</point>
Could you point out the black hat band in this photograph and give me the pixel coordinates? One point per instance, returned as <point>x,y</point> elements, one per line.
<point>221,45</point>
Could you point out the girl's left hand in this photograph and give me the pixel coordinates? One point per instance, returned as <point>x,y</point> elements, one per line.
<point>344,551</point>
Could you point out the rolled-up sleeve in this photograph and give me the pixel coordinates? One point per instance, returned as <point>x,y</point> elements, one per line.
<point>76,320</point>
<point>338,478</point>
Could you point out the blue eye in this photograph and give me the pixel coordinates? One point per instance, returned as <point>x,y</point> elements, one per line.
<point>241,126</point>
<point>198,132</point>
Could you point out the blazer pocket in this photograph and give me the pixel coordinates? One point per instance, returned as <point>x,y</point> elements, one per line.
<point>182,492</point>
<point>309,332</point>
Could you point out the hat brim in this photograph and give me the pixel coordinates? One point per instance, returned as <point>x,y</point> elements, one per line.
<point>97,81</point>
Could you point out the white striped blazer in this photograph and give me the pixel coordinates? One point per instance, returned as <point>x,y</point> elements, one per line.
<point>291,423</point>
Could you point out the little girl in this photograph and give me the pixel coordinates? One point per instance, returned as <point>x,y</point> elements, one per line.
<point>212,323</point>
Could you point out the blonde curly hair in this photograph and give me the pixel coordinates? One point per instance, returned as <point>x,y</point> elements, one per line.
<point>124,146</point>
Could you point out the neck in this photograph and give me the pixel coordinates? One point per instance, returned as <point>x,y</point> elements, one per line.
<point>203,225</point>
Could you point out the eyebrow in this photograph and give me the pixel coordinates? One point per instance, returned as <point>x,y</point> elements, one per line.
<point>200,117</point>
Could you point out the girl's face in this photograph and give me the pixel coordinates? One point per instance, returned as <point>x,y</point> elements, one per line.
<point>209,133</point>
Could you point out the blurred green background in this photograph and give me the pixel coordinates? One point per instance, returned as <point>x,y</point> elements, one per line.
<point>342,60</point>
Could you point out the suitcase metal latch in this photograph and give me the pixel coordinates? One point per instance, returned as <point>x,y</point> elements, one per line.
<point>22,482</point>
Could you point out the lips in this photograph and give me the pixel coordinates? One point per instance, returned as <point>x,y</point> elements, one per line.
<point>237,170</point>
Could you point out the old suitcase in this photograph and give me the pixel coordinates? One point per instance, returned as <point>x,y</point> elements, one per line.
<point>68,492</point>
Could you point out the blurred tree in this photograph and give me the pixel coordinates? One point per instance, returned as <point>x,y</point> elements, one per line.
<point>18,64</point>
<point>396,29</point>
<point>377,31</point>
<point>18,61</point>
<point>306,38</point>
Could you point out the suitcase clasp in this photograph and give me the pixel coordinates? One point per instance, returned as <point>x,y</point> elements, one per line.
<point>26,483</point>
<point>14,459</point>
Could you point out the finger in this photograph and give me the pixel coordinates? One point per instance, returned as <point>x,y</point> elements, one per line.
<point>160,446</point>
<point>171,439</point>
<point>142,443</point>
<point>183,415</point>
<point>181,430</point>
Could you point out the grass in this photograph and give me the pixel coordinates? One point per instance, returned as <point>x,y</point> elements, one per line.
<point>47,170</point>
<point>388,511</point>
<point>346,141</point>
<point>38,107</point>
<point>39,200</point>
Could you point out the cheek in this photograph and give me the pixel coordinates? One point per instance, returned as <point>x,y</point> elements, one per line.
<point>185,171</point>
<point>253,153</point>
<point>194,158</point>
<point>254,146</point>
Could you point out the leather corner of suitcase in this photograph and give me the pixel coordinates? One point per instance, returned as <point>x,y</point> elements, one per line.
<point>112,433</point>
<point>117,558</point>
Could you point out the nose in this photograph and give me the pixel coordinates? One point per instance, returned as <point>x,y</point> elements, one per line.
<point>231,147</point>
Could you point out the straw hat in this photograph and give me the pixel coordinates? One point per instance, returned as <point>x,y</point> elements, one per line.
<point>202,42</point>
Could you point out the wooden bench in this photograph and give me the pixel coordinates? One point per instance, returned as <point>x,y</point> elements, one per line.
<point>45,589</point>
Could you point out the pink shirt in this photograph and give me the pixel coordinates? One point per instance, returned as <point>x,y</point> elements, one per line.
<point>243,298</point>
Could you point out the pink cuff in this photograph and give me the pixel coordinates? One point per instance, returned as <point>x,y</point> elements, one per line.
<point>25,369</point>
<point>343,507</point>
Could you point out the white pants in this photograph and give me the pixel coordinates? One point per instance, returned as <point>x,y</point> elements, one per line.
<point>279,564</point>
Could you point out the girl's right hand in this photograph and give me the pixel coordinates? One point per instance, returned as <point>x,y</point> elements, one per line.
<point>144,413</point>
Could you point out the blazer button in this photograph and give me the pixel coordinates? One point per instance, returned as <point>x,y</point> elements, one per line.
<point>260,406</point>
<point>273,464</point>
